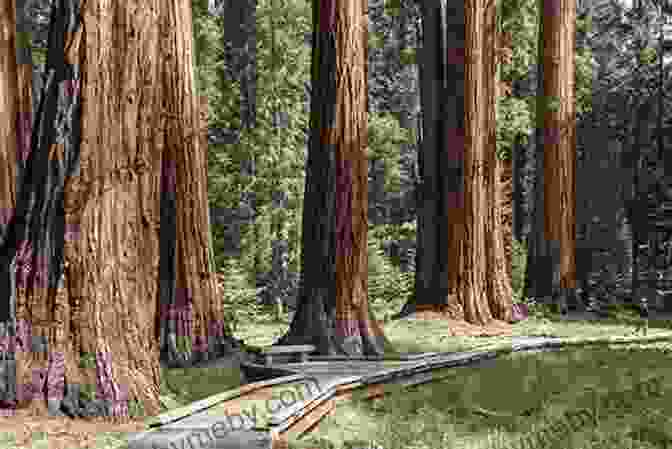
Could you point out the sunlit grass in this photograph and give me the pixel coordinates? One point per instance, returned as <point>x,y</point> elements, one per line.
<point>495,407</point>
<point>469,408</point>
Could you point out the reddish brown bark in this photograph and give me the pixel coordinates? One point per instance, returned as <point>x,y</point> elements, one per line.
<point>9,112</point>
<point>333,310</point>
<point>552,247</point>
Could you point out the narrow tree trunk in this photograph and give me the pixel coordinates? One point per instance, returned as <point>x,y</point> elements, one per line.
<point>24,70</point>
<point>637,210</point>
<point>241,47</point>
<point>333,311</point>
<point>473,292</point>
<point>517,172</point>
<point>498,231</point>
<point>431,277</point>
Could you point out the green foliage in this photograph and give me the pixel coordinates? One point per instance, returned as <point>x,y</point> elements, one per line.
<point>376,40</point>
<point>583,68</point>
<point>277,152</point>
<point>392,7</point>
<point>515,115</point>
<point>136,409</point>
<point>519,19</point>
<point>393,231</point>
<point>256,243</point>
<point>389,288</point>
<point>183,343</point>
<point>518,267</point>
<point>648,56</point>
<point>385,139</point>
<point>240,299</point>
<point>87,392</point>
<point>408,56</point>
<point>39,55</point>
<point>514,118</point>
<point>87,360</point>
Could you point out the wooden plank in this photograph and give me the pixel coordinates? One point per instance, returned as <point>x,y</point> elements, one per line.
<point>247,412</point>
<point>317,414</point>
<point>401,357</point>
<point>201,438</point>
<point>187,410</point>
<point>327,388</point>
<point>280,439</point>
<point>287,349</point>
<point>254,370</point>
<point>336,383</point>
<point>267,352</point>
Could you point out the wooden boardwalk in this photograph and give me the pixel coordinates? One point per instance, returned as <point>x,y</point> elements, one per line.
<point>264,414</point>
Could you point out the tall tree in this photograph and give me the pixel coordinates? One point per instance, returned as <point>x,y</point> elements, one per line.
<point>552,243</point>
<point>80,258</point>
<point>190,313</point>
<point>9,109</point>
<point>456,219</point>
<point>498,173</point>
<point>333,310</point>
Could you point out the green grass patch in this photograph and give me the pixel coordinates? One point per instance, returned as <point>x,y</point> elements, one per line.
<point>471,409</point>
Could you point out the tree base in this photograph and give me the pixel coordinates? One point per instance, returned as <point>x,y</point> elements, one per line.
<point>456,325</point>
<point>363,337</point>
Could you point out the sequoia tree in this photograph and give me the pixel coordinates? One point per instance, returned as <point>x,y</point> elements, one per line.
<point>333,310</point>
<point>460,259</point>
<point>89,260</point>
<point>551,262</point>
<point>498,172</point>
<point>9,110</point>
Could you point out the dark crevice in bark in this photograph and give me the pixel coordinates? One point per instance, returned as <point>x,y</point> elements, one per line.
<point>33,242</point>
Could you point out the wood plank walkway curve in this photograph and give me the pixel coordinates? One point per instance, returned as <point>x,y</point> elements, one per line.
<point>264,414</point>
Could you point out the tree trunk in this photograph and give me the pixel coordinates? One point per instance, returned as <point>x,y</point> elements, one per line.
<point>551,253</point>
<point>80,257</point>
<point>500,294</point>
<point>11,138</point>
<point>439,190</point>
<point>517,173</point>
<point>474,291</point>
<point>456,210</point>
<point>192,328</point>
<point>333,311</point>
<point>240,40</point>
<point>24,69</point>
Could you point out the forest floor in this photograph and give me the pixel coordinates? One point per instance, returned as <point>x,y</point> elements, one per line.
<point>466,420</point>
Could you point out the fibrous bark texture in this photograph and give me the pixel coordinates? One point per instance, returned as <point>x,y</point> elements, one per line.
<point>473,290</point>
<point>333,311</point>
<point>440,157</point>
<point>552,247</point>
<point>191,315</point>
<point>498,229</point>
<point>461,266</point>
<point>9,116</point>
<point>117,123</point>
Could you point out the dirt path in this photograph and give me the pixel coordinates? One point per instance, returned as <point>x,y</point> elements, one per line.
<point>23,428</point>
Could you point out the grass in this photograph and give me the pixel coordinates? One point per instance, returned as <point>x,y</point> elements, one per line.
<point>468,409</point>
<point>471,409</point>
